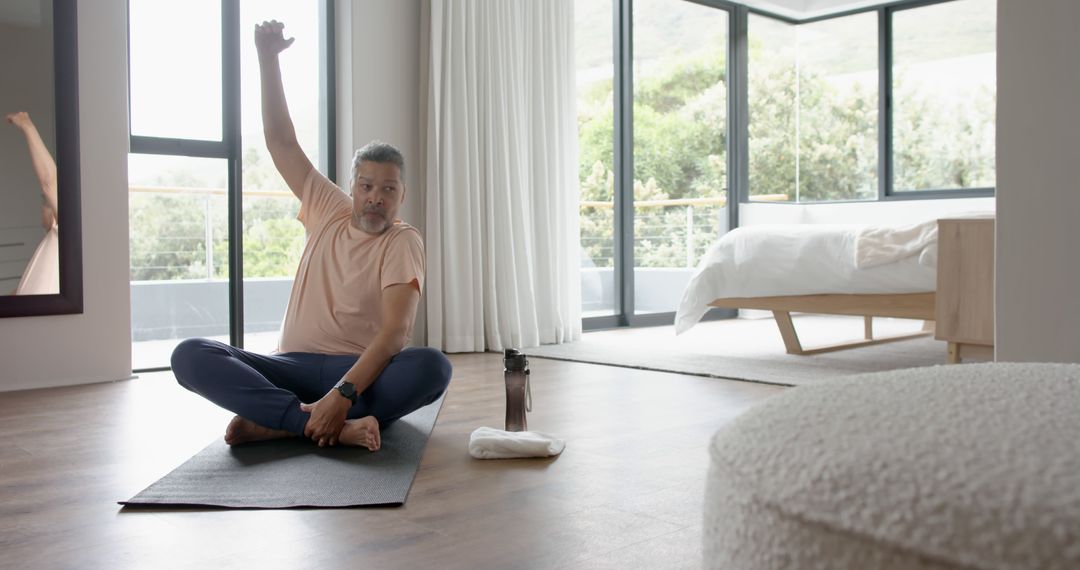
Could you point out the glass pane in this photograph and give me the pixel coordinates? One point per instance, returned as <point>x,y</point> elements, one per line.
<point>680,146</point>
<point>773,99</point>
<point>273,237</point>
<point>944,96</point>
<point>813,104</point>
<point>837,145</point>
<point>179,253</point>
<point>175,56</point>
<point>596,113</point>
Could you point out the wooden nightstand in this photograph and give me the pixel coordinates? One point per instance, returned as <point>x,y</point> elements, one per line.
<point>965,287</point>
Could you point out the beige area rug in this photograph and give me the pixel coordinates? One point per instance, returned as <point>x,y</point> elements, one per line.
<point>752,350</point>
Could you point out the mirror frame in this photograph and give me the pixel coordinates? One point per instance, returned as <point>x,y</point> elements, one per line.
<point>66,85</point>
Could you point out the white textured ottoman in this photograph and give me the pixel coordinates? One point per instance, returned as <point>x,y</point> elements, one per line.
<point>966,466</point>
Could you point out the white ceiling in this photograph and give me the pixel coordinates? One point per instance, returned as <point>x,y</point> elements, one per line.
<point>801,9</point>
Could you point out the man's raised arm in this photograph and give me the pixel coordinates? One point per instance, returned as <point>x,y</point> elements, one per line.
<point>278,129</point>
<point>43,163</point>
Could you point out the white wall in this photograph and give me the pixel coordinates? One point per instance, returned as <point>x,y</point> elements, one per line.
<point>37,352</point>
<point>379,86</point>
<point>379,69</point>
<point>1038,194</point>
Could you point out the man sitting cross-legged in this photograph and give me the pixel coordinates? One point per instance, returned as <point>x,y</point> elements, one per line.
<point>350,312</point>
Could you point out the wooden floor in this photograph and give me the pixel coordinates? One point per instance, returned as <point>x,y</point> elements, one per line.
<point>626,493</point>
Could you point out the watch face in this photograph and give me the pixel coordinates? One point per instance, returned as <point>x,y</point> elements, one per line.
<point>348,390</point>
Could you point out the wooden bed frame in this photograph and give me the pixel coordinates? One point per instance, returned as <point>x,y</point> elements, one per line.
<point>902,306</point>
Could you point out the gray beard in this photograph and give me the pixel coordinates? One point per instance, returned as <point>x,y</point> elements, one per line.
<point>375,228</point>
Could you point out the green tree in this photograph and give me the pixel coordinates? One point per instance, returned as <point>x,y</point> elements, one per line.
<point>827,144</point>
<point>168,231</point>
<point>679,152</point>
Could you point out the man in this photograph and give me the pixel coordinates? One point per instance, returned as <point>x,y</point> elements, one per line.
<point>351,309</point>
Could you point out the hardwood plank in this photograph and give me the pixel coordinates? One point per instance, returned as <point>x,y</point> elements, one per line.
<point>632,476</point>
<point>665,552</point>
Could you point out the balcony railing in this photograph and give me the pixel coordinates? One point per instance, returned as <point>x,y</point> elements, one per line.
<point>179,287</point>
<point>211,198</point>
<point>671,233</point>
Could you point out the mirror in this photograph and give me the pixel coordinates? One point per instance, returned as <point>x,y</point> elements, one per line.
<point>40,221</point>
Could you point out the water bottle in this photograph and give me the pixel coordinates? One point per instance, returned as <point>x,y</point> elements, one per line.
<point>516,376</point>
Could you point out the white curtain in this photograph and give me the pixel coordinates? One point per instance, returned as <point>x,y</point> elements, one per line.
<point>501,209</point>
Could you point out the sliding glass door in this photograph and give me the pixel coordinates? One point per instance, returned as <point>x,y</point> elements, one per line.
<point>653,104</point>
<point>679,145</point>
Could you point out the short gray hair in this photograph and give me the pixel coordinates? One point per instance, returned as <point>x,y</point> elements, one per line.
<point>377,151</point>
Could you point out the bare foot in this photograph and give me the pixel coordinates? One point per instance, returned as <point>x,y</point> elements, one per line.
<point>243,430</point>
<point>361,432</point>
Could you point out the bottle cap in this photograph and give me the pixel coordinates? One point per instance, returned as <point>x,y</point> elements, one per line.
<point>514,361</point>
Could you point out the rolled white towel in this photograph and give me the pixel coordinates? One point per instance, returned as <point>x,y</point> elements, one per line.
<point>490,443</point>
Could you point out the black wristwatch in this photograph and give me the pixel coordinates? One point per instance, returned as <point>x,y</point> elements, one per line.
<point>346,388</point>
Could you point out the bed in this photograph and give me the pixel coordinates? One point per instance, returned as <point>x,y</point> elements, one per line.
<point>865,271</point>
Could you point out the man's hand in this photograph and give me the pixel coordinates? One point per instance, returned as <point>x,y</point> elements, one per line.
<point>20,119</point>
<point>269,40</point>
<point>327,418</point>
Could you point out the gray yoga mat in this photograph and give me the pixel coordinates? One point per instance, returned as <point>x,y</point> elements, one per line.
<point>294,472</point>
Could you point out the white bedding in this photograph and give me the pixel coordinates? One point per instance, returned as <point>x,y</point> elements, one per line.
<point>774,260</point>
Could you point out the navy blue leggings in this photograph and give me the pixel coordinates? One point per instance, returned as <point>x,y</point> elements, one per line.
<point>268,389</point>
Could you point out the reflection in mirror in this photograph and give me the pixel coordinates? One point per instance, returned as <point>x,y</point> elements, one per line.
<point>29,243</point>
<point>41,272</point>
<point>40,243</point>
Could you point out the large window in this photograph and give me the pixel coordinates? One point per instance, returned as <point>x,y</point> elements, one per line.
<point>684,105</point>
<point>206,204</point>
<point>816,113</point>
<point>944,96</point>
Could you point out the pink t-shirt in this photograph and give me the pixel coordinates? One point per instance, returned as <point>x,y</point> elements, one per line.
<point>336,302</point>
<point>42,274</point>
